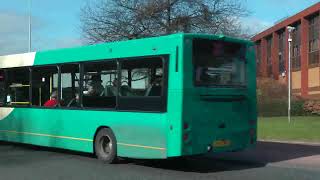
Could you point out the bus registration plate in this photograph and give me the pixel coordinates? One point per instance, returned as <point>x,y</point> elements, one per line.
<point>221,143</point>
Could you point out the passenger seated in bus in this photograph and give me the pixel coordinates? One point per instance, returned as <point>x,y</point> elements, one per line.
<point>95,87</point>
<point>155,88</point>
<point>112,90</point>
<point>125,90</point>
<point>74,102</point>
<point>53,101</point>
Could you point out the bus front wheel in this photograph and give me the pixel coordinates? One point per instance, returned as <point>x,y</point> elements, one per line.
<point>105,146</point>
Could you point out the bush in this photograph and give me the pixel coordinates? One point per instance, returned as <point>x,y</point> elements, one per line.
<point>273,107</point>
<point>272,97</point>
<point>270,88</point>
<point>268,108</point>
<point>297,108</point>
<point>312,107</point>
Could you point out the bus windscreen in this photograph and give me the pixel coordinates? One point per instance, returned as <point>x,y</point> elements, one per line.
<point>219,63</point>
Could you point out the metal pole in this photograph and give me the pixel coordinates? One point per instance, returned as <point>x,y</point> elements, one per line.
<point>289,79</point>
<point>29,40</point>
<point>290,29</point>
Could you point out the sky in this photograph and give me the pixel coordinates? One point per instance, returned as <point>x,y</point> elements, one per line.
<point>265,13</point>
<point>56,24</point>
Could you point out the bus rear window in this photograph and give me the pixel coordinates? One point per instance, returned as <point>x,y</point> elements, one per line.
<point>219,63</point>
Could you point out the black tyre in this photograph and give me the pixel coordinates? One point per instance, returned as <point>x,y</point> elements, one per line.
<point>105,146</point>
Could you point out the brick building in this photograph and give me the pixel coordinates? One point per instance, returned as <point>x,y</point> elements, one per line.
<point>272,52</point>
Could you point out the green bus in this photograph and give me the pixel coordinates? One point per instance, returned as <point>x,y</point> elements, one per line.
<point>152,98</point>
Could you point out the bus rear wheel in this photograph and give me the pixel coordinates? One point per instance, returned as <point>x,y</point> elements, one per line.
<point>105,146</point>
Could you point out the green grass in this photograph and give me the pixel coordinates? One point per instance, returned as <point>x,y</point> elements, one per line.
<point>302,128</point>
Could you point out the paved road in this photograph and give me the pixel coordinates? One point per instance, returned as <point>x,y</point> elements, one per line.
<point>266,161</point>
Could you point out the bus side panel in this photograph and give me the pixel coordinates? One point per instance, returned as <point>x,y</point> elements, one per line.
<point>175,124</point>
<point>175,100</point>
<point>45,127</point>
<point>139,135</point>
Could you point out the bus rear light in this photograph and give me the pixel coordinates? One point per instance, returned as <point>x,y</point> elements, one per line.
<point>252,122</point>
<point>185,137</point>
<point>185,126</point>
<point>252,132</point>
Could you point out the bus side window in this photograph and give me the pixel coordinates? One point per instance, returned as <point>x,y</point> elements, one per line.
<point>70,86</point>
<point>145,84</point>
<point>144,76</point>
<point>100,84</point>
<point>17,87</point>
<point>45,86</point>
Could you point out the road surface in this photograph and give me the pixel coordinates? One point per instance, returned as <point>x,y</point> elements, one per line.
<point>266,161</point>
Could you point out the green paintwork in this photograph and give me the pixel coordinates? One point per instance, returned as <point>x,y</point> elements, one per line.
<point>161,132</point>
<point>204,117</point>
<point>83,124</point>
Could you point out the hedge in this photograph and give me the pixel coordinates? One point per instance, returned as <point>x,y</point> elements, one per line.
<point>279,107</point>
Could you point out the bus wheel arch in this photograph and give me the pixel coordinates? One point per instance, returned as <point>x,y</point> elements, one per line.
<point>105,145</point>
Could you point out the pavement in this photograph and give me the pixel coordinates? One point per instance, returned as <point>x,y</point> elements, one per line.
<point>269,160</point>
<point>291,142</point>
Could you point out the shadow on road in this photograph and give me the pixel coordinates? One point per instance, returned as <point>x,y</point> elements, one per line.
<point>261,155</point>
<point>27,147</point>
<point>270,152</point>
<point>198,164</point>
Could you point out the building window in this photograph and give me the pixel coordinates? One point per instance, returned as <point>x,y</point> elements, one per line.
<point>314,41</point>
<point>296,48</point>
<point>258,50</point>
<point>258,55</point>
<point>269,57</point>
<point>282,45</point>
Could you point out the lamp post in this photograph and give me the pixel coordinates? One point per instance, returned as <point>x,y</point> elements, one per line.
<point>290,30</point>
<point>29,23</point>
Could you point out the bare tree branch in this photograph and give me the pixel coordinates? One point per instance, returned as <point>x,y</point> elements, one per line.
<point>112,20</point>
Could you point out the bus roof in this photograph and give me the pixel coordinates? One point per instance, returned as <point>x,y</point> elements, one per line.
<point>119,49</point>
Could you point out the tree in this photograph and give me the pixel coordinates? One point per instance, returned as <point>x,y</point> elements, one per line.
<point>111,20</point>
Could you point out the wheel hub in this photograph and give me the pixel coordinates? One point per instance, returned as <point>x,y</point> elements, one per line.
<point>106,144</point>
